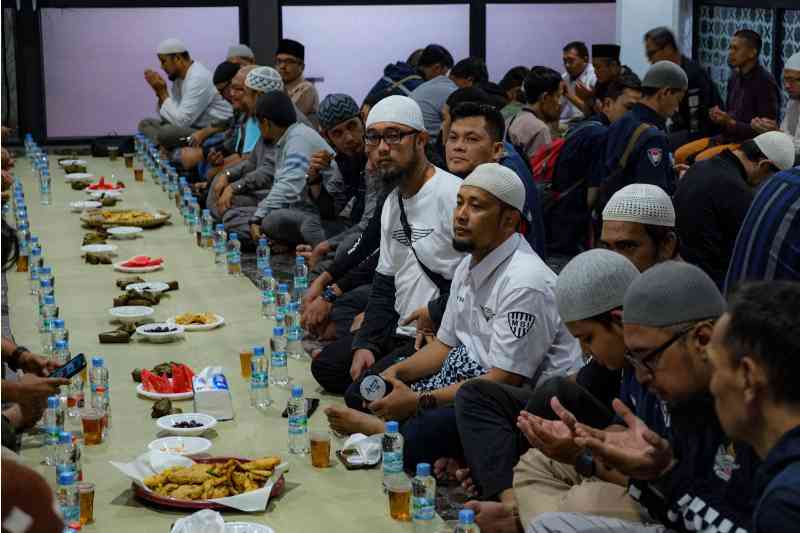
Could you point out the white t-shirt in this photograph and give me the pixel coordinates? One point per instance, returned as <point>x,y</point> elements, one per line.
<point>195,101</point>
<point>430,216</point>
<point>504,311</point>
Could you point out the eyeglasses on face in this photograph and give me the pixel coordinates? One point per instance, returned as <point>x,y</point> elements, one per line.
<point>649,361</point>
<point>391,137</point>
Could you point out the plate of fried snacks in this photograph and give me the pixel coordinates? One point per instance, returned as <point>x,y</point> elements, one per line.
<point>208,483</point>
<point>125,217</point>
<point>197,321</point>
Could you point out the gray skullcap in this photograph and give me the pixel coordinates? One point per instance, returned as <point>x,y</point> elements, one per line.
<point>778,146</point>
<point>171,46</point>
<point>240,50</point>
<point>642,203</point>
<point>671,293</point>
<point>264,79</point>
<point>398,109</point>
<point>665,75</point>
<point>593,283</point>
<point>499,181</point>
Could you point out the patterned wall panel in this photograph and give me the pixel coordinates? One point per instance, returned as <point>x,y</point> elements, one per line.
<point>718,24</point>
<point>791,38</point>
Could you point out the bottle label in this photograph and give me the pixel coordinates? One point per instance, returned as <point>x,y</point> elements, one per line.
<point>423,508</point>
<point>233,258</point>
<point>392,462</point>
<point>279,359</point>
<point>268,297</point>
<point>298,424</point>
<point>295,334</point>
<point>300,282</point>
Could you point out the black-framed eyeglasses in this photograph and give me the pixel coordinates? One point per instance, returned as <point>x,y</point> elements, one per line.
<point>649,361</point>
<point>392,138</point>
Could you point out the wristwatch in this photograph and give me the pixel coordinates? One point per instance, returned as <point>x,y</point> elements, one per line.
<point>329,295</point>
<point>585,465</point>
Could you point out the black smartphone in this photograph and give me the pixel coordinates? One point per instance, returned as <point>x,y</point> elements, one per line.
<point>73,366</point>
<point>311,406</point>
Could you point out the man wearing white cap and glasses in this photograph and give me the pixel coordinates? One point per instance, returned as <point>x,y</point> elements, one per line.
<point>639,223</point>
<point>791,117</point>
<point>191,104</point>
<point>241,54</point>
<point>714,195</point>
<point>501,324</point>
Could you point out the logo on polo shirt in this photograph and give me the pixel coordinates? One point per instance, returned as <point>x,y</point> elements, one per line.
<point>520,323</point>
<point>655,155</point>
<point>416,235</point>
<point>488,314</point>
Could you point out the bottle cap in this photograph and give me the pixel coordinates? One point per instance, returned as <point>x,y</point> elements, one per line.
<point>52,402</point>
<point>372,388</point>
<point>293,307</point>
<point>58,322</point>
<point>297,391</point>
<point>423,469</point>
<point>466,516</point>
<point>262,241</point>
<point>283,287</point>
<point>66,478</point>
<point>49,299</point>
<point>206,212</point>
<point>266,271</point>
<point>36,251</point>
<point>45,283</point>
<point>45,270</point>
<point>392,427</point>
<point>233,236</point>
<point>97,361</point>
<point>258,350</point>
<point>34,239</point>
<point>277,331</point>
<point>279,317</point>
<point>220,227</point>
<point>300,260</point>
<point>61,344</point>
<point>65,437</point>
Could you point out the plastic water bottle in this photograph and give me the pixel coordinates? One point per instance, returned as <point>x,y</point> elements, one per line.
<point>59,332</point>
<point>101,397</point>
<point>65,458</point>
<point>45,187</point>
<point>46,274</point>
<point>262,254</point>
<point>294,335</point>
<point>36,260</point>
<point>207,229</point>
<point>423,499</point>
<point>234,255</point>
<point>197,220</point>
<point>283,298</point>
<point>298,422</point>
<point>61,352</point>
<point>67,495</point>
<point>23,234</point>
<point>392,451</point>
<point>75,398</point>
<point>280,320</point>
<point>220,242</point>
<point>48,314</point>
<point>466,522</point>
<point>267,286</point>
<point>259,379</point>
<point>279,369</point>
<point>300,280</point>
<point>51,429</point>
<point>77,457</point>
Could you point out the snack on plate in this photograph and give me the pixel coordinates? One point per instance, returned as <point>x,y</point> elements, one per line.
<point>79,185</point>
<point>141,261</point>
<point>145,298</point>
<point>163,407</point>
<point>95,237</point>
<point>163,369</point>
<point>188,319</point>
<point>123,283</point>
<point>181,380</point>
<point>96,259</point>
<point>127,216</point>
<point>103,186</point>
<point>205,481</point>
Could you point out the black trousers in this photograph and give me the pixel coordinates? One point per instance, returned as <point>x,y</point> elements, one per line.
<point>486,414</point>
<point>347,307</point>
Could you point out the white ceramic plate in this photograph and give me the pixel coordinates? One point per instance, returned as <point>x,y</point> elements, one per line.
<point>71,162</point>
<point>199,327</point>
<point>80,205</point>
<point>78,176</point>
<point>97,195</point>
<point>131,313</point>
<point>181,445</point>
<point>160,337</point>
<point>166,422</point>
<point>155,287</point>
<point>247,527</point>
<point>99,248</point>
<point>134,270</point>
<point>159,396</point>
<point>124,232</point>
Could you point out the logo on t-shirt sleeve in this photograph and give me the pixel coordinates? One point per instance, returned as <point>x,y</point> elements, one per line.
<point>520,323</point>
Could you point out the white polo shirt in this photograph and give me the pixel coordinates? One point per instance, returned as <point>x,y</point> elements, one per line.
<point>503,310</point>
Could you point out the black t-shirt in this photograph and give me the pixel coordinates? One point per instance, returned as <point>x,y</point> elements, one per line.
<point>711,202</point>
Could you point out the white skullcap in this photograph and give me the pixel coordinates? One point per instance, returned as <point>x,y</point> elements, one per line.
<point>171,46</point>
<point>398,109</point>
<point>240,50</point>
<point>641,203</point>
<point>264,79</point>
<point>499,181</point>
<point>593,283</point>
<point>778,147</point>
<point>793,63</point>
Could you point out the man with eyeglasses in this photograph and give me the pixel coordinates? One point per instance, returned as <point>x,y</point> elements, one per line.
<point>697,479</point>
<point>713,197</point>
<point>290,61</point>
<point>791,117</point>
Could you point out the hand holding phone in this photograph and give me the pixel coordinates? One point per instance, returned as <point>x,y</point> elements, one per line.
<point>71,368</point>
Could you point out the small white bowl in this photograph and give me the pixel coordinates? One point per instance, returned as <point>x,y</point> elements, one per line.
<point>180,445</point>
<point>78,176</point>
<point>160,336</point>
<point>166,422</point>
<point>124,232</point>
<point>156,287</point>
<point>129,314</point>
<point>247,527</point>
<point>99,248</point>
<point>72,162</point>
<point>98,195</point>
<point>82,205</point>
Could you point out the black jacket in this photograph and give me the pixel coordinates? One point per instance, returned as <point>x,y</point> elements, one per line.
<point>778,487</point>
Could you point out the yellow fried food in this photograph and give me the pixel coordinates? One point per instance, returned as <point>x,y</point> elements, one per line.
<point>187,319</point>
<point>188,492</point>
<point>127,216</point>
<point>165,490</point>
<point>220,492</point>
<point>157,479</point>
<point>194,475</point>
<point>265,463</point>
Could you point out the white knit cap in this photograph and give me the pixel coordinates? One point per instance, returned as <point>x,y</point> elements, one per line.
<point>398,109</point>
<point>593,283</point>
<point>499,181</point>
<point>778,147</point>
<point>171,46</point>
<point>240,50</point>
<point>264,79</point>
<point>793,63</point>
<point>642,203</point>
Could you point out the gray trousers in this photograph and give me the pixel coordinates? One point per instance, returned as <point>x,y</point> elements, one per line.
<point>249,200</point>
<point>584,523</point>
<point>163,133</point>
<point>299,226</point>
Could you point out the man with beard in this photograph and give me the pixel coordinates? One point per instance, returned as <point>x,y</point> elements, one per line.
<point>416,260</point>
<point>791,117</point>
<point>501,324</point>
<point>193,102</point>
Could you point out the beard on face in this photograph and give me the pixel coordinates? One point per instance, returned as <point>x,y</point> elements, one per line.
<point>172,76</point>
<point>393,174</point>
<point>464,245</point>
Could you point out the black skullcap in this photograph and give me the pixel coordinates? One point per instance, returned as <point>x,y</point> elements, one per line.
<point>608,51</point>
<point>225,72</point>
<point>293,48</point>
<point>277,107</point>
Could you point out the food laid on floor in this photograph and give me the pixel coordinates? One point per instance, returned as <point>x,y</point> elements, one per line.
<point>163,407</point>
<point>174,379</point>
<point>189,319</point>
<point>103,185</point>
